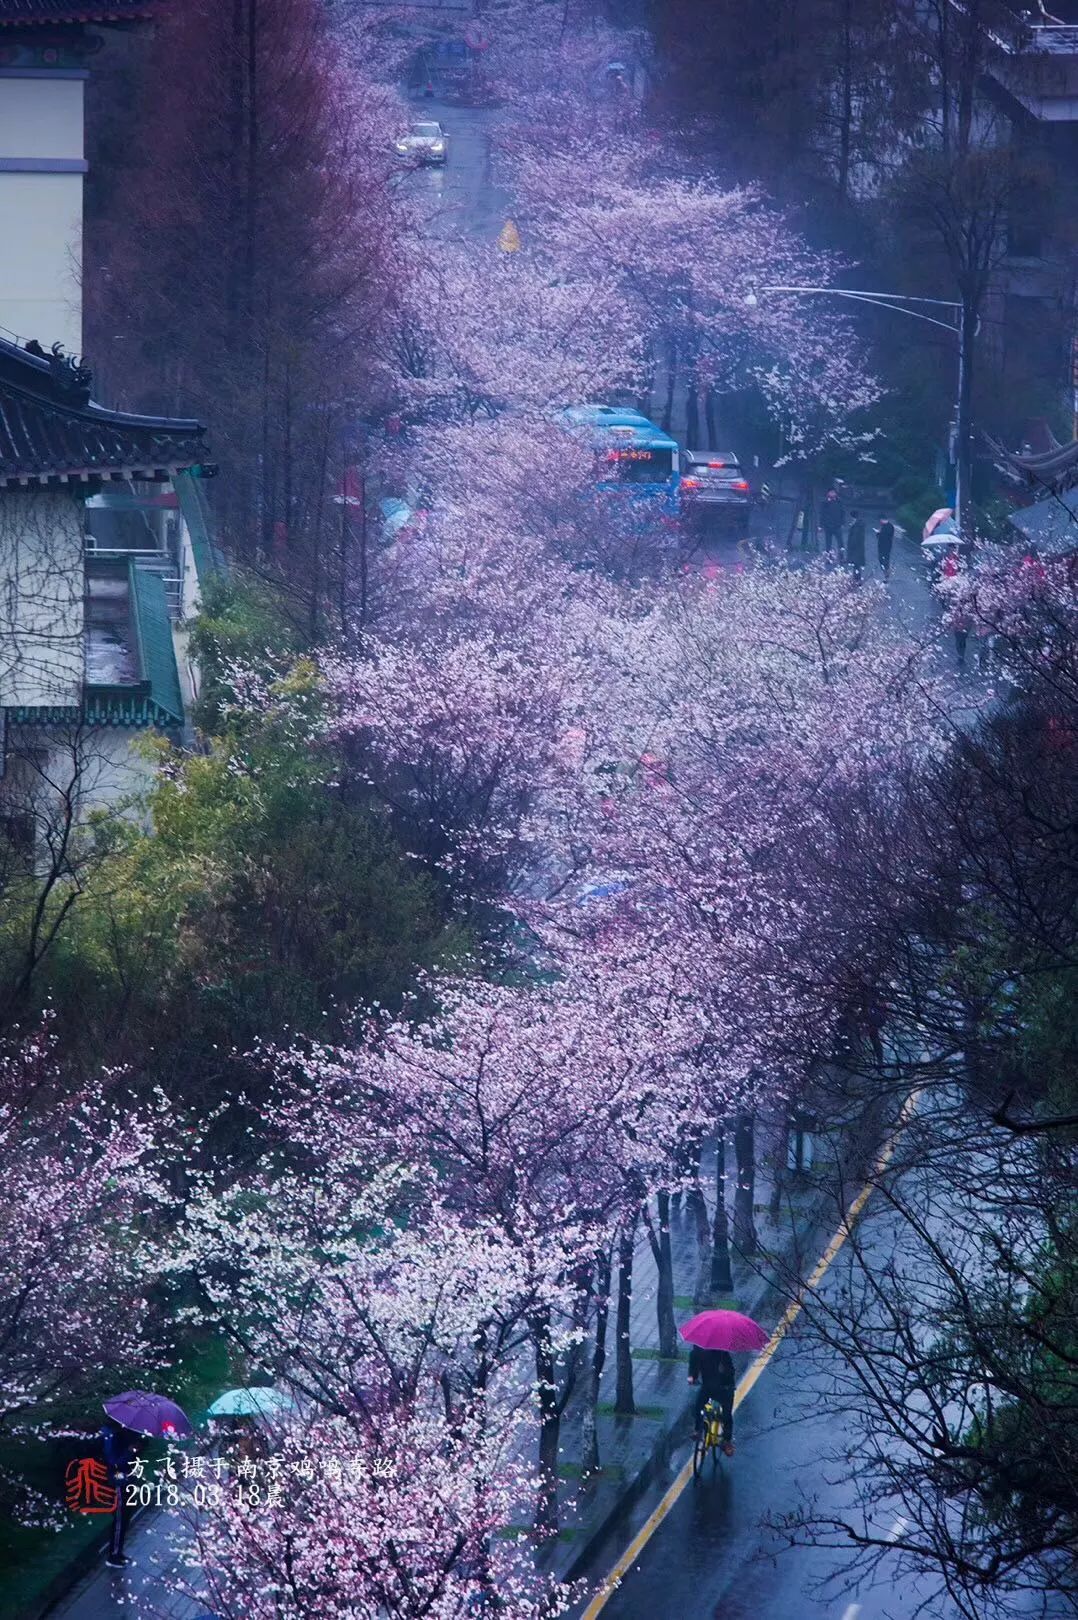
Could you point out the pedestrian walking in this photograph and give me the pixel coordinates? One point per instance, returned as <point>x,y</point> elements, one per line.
<point>885,539</point>
<point>855,545</point>
<point>713,1371</point>
<point>120,1447</point>
<point>832,518</point>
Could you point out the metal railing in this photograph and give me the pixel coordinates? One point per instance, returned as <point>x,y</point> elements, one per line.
<point>157,562</point>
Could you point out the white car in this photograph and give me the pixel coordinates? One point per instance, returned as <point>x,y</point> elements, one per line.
<point>424,143</point>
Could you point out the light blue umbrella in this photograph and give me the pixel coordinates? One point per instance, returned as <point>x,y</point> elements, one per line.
<point>264,1403</point>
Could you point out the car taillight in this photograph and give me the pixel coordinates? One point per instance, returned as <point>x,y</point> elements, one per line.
<point>739,483</point>
<point>691,483</point>
<point>716,464</point>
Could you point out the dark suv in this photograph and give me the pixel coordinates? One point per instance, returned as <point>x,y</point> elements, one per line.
<point>713,484</point>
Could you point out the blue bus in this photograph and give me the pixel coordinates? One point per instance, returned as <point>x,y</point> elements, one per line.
<point>632,453</point>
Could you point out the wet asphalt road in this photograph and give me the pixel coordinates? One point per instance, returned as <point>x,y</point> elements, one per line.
<point>459,198</point>
<point>715,1557</point>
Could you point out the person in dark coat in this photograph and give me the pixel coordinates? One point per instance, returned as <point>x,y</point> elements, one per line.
<point>832,517</point>
<point>855,545</point>
<point>121,1448</point>
<point>713,1370</point>
<point>885,539</point>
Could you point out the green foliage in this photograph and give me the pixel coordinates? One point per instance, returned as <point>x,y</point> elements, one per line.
<point>1047,1046</point>
<point>916,507</point>
<point>261,898</point>
<point>256,894</point>
<point>240,625</point>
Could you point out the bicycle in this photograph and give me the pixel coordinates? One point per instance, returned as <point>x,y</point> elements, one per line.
<point>709,1436</point>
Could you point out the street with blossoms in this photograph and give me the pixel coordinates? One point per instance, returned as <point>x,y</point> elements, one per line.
<point>538,923</point>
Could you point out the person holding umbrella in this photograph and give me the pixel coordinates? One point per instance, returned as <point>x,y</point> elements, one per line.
<point>713,1372</point>
<point>129,1417</point>
<point>121,1448</point>
<point>713,1335</point>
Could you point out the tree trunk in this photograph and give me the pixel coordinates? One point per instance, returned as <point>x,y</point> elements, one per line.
<point>623,1394</point>
<point>664,1264</point>
<point>963,435</point>
<point>668,1336</point>
<point>845,131</point>
<point>692,413</point>
<point>808,532</point>
<point>745,1194</point>
<point>711,418</point>
<point>590,1460</point>
<point>969,65</point>
<point>795,514</point>
<point>697,1206</point>
<point>944,64</point>
<point>364,563</point>
<point>782,1154</point>
<point>546,1508</point>
<point>316,539</point>
<point>722,1281</point>
<point>346,563</point>
<point>671,384</point>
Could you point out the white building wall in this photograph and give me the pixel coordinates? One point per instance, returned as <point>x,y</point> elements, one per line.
<point>85,768</point>
<point>42,611</point>
<point>42,163</point>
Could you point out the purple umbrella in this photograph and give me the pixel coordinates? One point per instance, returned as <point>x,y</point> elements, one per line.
<point>154,1415</point>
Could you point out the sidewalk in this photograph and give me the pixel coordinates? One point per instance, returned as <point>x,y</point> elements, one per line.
<point>139,1590</point>
<point>631,1449</point>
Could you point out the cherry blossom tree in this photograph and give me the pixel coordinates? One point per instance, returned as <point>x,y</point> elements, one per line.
<point>395,1322</point>
<point>477,332</point>
<point>77,1173</point>
<point>400,1521</point>
<point>456,736</point>
<point>514,1095</point>
<point>686,257</point>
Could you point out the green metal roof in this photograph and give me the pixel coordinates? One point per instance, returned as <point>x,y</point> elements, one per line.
<point>156,698</point>
<point>209,559</point>
<point>156,649</point>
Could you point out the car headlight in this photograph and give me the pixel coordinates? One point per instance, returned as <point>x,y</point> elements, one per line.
<point>437,146</point>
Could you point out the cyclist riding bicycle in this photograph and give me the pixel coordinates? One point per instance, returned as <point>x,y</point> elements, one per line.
<point>713,1370</point>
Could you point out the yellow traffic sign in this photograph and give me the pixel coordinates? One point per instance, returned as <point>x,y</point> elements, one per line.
<point>509,238</point>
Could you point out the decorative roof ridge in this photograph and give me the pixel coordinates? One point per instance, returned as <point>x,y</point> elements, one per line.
<point>59,381</point>
<point>36,13</point>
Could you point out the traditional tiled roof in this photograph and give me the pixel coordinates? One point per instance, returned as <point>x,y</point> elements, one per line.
<point>52,432</point>
<point>1055,469</point>
<point>25,12</point>
<point>1051,524</point>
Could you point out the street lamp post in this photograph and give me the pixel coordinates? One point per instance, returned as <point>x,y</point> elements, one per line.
<point>960,326</point>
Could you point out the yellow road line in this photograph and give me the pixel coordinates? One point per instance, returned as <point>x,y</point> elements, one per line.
<point>748,1382</point>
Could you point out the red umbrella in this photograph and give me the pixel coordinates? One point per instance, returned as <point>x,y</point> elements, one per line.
<point>724,1330</point>
<point>940,515</point>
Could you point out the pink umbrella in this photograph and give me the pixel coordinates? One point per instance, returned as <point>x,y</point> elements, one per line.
<point>936,519</point>
<point>724,1330</point>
